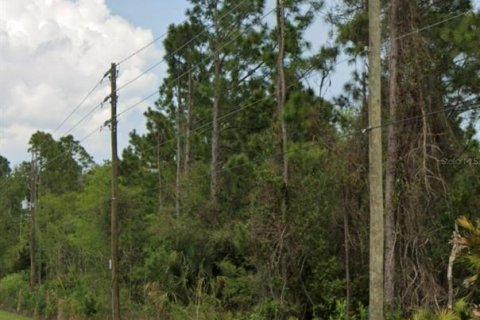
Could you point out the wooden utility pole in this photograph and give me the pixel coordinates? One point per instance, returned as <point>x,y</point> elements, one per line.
<point>114,200</point>
<point>375,164</point>
<point>33,226</point>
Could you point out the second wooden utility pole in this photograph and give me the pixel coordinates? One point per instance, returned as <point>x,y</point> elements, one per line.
<point>114,200</point>
<point>375,176</point>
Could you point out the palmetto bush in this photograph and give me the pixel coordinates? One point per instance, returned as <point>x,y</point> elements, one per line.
<point>470,240</point>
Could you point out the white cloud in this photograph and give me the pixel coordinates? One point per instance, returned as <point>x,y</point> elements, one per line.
<point>52,52</point>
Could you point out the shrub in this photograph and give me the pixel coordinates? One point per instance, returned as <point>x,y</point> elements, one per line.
<point>15,293</point>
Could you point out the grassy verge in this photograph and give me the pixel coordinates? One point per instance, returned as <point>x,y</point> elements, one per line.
<point>11,316</point>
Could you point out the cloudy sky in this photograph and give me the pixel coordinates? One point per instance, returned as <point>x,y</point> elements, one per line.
<point>53,52</point>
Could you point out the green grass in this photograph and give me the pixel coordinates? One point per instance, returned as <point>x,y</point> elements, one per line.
<point>10,316</point>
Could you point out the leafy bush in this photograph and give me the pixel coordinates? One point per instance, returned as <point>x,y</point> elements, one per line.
<point>341,312</point>
<point>15,293</point>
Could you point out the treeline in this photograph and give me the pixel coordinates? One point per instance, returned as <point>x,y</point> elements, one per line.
<point>247,195</point>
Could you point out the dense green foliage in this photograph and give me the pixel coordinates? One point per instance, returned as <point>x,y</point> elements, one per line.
<point>183,255</point>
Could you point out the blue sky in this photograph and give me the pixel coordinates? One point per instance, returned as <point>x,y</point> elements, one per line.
<point>155,15</point>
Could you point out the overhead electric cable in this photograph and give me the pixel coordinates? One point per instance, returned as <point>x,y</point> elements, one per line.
<point>184,45</point>
<point>310,144</point>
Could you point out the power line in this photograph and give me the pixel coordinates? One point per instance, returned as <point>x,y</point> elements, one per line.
<point>149,96</point>
<point>262,99</point>
<point>204,125</point>
<point>91,133</point>
<point>54,159</point>
<point>314,143</point>
<point>268,13</point>
<point>336,64</point>
<point>136,78</point>
<point>79,105</point>
<point>189,41</point>
<point>144,47</point>
<point>84,118</point>
<point>132,80</point>
<point>80,121</point>
<point>306,146</point>
<point>468,107</point>
<point>185,72</point>
<point>310,144</point>
<point>182,46</point>
<point>208,123</point>
<point>76,108</point>
<point>432,25</point>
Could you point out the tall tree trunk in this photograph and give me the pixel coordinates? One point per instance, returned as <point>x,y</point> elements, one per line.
<point>215,115</point>
<point>375,165</point>
<point>33,227</point>
<point>392,151</point>
<point>281,94</point>
<point>280,97</point>
<point>456,249</point>
<point>179,151</point>
<point>188,123</point>
<point>159,173</point>
<point>346,233</point>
